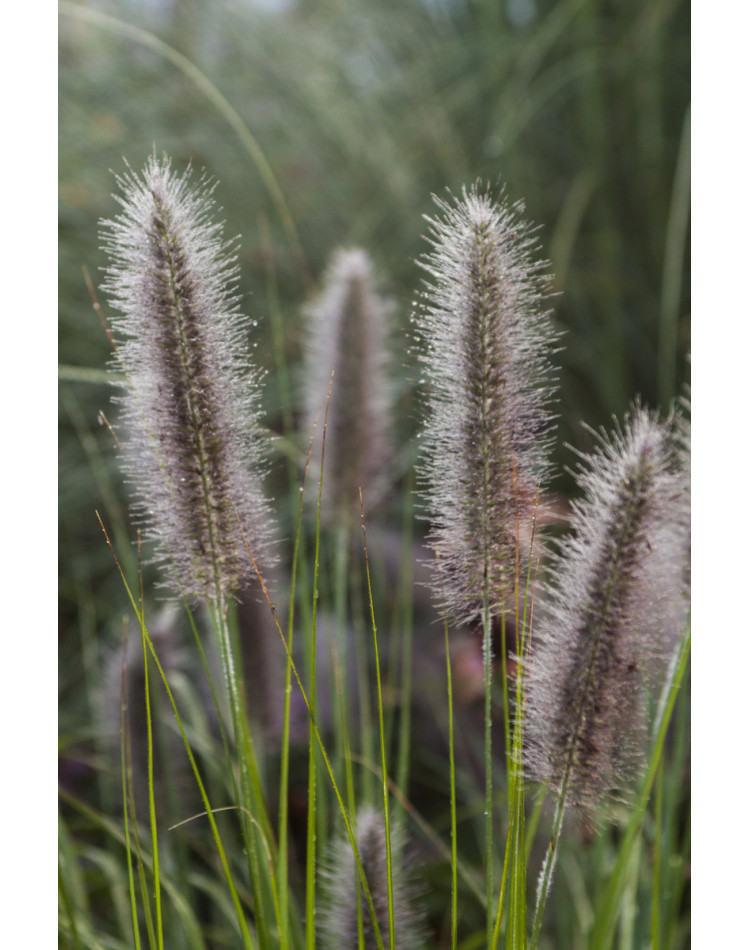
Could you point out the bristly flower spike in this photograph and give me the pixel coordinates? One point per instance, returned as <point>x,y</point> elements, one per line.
<point>193,448</point>
<point>486,341</point>
<point>338,920</point>
<point>347,337</point>
<point>616,606</point>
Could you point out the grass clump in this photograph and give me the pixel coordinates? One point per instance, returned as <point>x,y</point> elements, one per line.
<point>263,779</point>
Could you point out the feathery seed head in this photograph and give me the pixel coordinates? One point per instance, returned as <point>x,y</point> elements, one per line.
<point>348,337</point>
<point>192,448</point>
<point>340,879</point>
<point>485,343</point>
<point>616,605</point>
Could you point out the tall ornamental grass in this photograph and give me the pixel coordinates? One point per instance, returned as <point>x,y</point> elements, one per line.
<point>417,758</point>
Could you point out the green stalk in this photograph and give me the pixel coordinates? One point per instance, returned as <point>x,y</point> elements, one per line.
<point>312,760</point>
<point>285,737</point>
<point>252,809</point>
<point>656,889</point>
<point>383,762</point>
<point>326,758</point>
<point>327,762</point>
<point>284,789</point>
<point>517,843</point>
<point>150,741</point>
<point>247,939</point>
<point>366,736</point>
<point>452,766</point>
<point>340,659</point>
<point>406,640</point>
<point>124,765</point>
<point>517,913</point>
<point>488,788</point>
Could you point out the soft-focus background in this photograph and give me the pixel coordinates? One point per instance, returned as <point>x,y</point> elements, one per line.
<point>331,122</point>
<point>354,113</point>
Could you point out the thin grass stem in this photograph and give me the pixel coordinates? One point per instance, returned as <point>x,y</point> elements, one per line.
<point>150,753</point>
<point>656,886</point>
<point>312,762</point>
<point>452,775</point>
<point>323,752</point>
<point>386,799</point>
<point>284,765</point>
<point>126,771</point>
<point>406,640</point>
<point>249,944</point>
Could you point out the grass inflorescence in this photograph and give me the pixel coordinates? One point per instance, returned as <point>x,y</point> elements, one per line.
<point>364,777</point>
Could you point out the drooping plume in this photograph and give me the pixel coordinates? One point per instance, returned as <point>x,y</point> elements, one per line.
<point>485,345</point>
<point>347,337</point>
<point>341,880</point>
<point>616,605</point>
<point>192,447</point>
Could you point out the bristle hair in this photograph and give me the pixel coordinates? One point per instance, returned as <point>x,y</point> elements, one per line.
<point>192,444</point>
<point>485,341</point>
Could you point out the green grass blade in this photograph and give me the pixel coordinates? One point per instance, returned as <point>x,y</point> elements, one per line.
<point>150,741</point>
<point>383,759</point>
<point>126,785</point>
<point>310,866</point>
<point>326,759</point>
<point>452,770</point>
<point>247,940</point>
<point>656,888</point>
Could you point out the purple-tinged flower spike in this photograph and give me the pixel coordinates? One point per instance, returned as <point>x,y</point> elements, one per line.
<point>486,341</point>
<point>347,337</point>
<point>338,920</point>
<point>615,606</point>
<point>192,449</point>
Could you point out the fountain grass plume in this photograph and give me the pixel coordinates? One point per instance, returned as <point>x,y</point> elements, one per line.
<point>616,605</point>
<point>339,916</point>
<point>347,336</point>
<point>192,446</point>
<point>485,342</point>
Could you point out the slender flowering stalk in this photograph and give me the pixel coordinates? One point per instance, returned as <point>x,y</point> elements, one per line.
<point>485,347</point>
<point>347,337</point>
<point>616,606</point>
<point>190,410</point>
<point>193,447</point>
<point>486,341</point>
<point>340,917</point>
